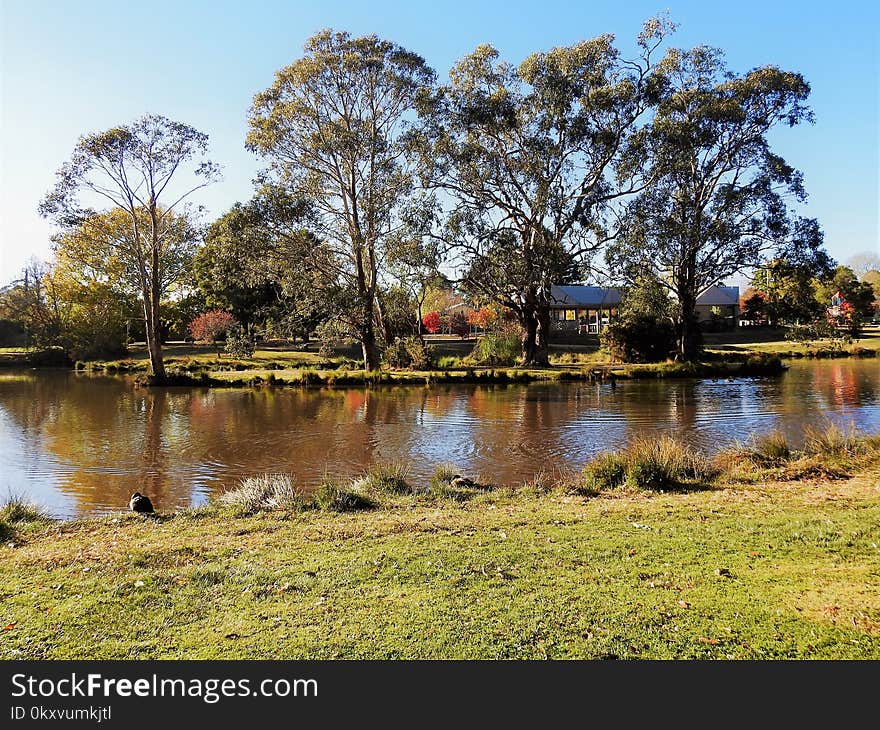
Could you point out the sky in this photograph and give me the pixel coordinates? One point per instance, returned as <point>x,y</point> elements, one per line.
<point>68,67</point>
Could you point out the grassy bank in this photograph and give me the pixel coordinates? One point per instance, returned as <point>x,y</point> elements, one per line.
<point>736,365</point>
<point>762,556</point>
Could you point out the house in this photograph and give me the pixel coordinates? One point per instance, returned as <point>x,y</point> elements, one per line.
<point>718,307</point>
<point>589,309</point>
<point>583,309</point>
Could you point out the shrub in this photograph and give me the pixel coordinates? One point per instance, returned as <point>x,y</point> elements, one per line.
<point>239,342</point>
<point>409,353</point>
<point>604,471</point>
<point>499,347</point>
<point>264,492</point>
<point>458,325</point>
<point>638,338</point>
<point>211,326</point>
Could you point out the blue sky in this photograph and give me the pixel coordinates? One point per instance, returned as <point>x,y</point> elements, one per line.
<point>73,66</point>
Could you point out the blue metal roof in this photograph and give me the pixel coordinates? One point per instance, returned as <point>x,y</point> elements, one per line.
<point>584,296</point>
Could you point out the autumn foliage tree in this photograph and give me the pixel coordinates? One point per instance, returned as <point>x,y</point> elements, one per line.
<point>432,322</point>
<point>210,326</point>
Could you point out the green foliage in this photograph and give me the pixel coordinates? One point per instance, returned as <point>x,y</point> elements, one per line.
<point>16,509</point>
<point>858,299</point>
<point>392,478</point>
<point>501,346</point>
<point>521,153</point>
<point>650,463</point>
<point>332,497</point>
<point>239,342</point>
<point>345,161</point>
<point>717,203</point>
<point>638,338</point>
<point>408,353</point>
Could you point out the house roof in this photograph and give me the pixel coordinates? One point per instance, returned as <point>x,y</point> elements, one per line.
<point>719,296</point>
<point>584,296</point>
<point>596,296</point>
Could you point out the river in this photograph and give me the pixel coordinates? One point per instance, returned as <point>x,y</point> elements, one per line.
<point>81,444</point>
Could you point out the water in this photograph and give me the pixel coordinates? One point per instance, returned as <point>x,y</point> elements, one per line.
<point>81,444</point>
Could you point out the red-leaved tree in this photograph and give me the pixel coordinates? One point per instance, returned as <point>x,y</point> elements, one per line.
<point>209,326</point>
<point>432,322</point>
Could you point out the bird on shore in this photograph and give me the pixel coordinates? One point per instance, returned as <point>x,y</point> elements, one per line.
<point>140,503</point>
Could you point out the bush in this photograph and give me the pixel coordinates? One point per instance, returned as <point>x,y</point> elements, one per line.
<point>432,322</point>
<point>458,325</point>
<point>211,326</point>
<point>499,347</point>
<point>639,338</point>
<point>264,492</point>
<point>239,342</point>
<point>408,353</point>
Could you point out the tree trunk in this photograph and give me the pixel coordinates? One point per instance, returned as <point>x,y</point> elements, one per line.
<point>153,336</point>
<point>542,335</point>
<point>368,338</point>
<point>687,330</point>
<point>529,324</point>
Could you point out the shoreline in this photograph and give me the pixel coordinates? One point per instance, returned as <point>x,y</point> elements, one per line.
<point>233,375</point>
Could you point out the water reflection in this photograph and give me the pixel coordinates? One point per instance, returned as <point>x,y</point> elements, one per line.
<point>82,444</point>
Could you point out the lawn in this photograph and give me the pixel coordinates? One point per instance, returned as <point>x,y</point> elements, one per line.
<point>768,570</point>
<point>742,340</point>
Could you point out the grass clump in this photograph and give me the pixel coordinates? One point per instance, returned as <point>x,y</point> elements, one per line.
<point>655,464</point>
<point>442,477</point>
<point>264,492</point>
<point>666,463</point>
<point>831,441</point>
<point>390,478</point>
<point>605,471</point>
<point>330,496</point>
<point>16,509</point>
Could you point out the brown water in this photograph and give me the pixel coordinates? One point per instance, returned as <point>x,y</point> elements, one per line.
<point>82,444</point>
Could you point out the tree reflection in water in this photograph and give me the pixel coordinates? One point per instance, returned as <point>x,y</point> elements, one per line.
<point>81,444</point>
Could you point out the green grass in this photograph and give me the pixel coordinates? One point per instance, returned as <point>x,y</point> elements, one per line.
<point>195,358</point>
<point>769,569</point>
<point>868,345</point>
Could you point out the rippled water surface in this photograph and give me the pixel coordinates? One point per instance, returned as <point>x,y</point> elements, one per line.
<point>81,444</point>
